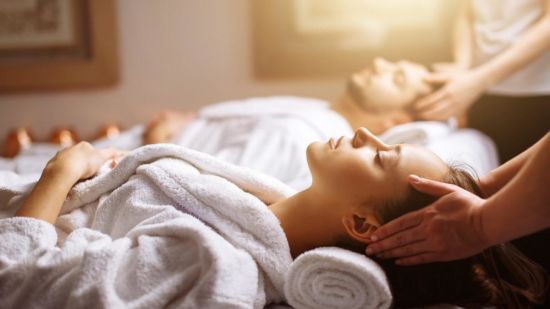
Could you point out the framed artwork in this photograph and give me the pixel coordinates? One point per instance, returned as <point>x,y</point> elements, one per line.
<point>57,44</point>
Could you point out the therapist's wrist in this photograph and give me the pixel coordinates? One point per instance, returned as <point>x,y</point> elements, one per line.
<point>487,185</point>
<point>478,225</point>
<point>486,75</point>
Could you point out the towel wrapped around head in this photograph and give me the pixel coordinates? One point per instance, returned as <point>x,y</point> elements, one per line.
<point>332,277</point>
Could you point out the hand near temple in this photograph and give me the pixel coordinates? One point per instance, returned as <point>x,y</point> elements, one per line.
<point>449,229</point>
<point>165,125</point>
<point>459,89</point>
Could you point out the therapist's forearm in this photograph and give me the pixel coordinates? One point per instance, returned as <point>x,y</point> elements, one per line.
<point>499,177</point>
<point>533,43</point>
<point>523,205</point>
<point>462,36</point>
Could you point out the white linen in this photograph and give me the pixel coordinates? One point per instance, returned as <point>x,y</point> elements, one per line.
<point>332,277</point>
<point>418,132</point>
<point>467,148</point>
<point>30,160</point>
<point>268,134</point>
<point>271,135</point>
<point>121,242</point>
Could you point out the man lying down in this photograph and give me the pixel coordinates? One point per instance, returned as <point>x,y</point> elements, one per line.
<point>169,226</point>
<point>271,134</point>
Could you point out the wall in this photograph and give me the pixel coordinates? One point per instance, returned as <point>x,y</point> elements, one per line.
<point>177,54</point>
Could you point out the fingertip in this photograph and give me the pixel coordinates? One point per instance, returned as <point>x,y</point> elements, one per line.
<point>414,179</point>
<point>374,238</point>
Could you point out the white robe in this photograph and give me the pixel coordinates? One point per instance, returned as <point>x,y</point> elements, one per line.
<point>267,134</point>
<point>167,227</point>
<point>271,134</point>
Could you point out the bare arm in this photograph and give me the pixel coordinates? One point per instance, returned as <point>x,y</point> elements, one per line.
<point>499,177</point>
<point>531,45</point>
<point>62,172</point>
<point>47,197</point>
<point>461,88</point>
<point>462,37</point>
<point>460,224</point>
<point>522,206</point>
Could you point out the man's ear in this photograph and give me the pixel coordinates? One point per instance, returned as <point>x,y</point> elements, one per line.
<point>360,226</point>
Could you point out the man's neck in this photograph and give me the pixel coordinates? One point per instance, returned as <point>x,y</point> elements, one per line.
<point>307,222</point>
<point>376,122</point>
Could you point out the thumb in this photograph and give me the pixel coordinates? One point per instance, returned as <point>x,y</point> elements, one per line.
<point>431,187</point>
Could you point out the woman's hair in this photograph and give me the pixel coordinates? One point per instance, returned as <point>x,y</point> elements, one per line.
<point>500,276</point>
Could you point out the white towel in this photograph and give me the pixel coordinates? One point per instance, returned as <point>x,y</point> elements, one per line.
<point>121,241</point>
<point>268,134</point>
<point>418,132</point>
<point>332,277</point>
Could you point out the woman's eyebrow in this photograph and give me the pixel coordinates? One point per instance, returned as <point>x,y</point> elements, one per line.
<point>397,150</point>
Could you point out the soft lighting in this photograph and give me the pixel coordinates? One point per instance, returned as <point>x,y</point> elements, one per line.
<point>367,20</point>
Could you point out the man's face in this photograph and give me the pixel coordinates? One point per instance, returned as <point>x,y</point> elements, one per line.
<point>388,86</point>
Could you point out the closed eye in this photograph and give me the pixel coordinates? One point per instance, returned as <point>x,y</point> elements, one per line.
<point>377,158</point>
<point>399,78</point>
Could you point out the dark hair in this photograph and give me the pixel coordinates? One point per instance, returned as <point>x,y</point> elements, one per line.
<point>500,276</point>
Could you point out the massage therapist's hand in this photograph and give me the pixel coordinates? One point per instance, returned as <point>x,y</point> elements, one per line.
<point>459,89</point>
<point>449,229</point>
<point>81,161</point>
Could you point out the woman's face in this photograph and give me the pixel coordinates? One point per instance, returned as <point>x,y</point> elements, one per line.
<point>388,86</point>
<point>363,169</point>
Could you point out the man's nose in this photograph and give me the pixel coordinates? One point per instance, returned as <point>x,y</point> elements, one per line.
<point>381,65</point>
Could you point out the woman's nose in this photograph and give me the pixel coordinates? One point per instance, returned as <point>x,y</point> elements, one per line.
<point>365,137</point>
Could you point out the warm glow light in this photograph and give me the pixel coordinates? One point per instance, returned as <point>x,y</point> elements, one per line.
<point>368,20</point>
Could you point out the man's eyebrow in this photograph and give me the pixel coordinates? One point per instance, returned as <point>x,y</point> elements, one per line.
<point>395,159</point>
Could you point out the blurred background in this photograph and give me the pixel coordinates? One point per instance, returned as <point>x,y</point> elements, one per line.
<point>182,54</point>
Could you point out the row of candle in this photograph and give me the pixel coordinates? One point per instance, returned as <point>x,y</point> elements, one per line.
<point>19,139</point>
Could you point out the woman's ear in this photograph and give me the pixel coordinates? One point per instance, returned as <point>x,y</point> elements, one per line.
<point>360,226</point>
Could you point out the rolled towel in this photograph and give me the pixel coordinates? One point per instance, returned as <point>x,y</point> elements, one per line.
<point>333,277</point>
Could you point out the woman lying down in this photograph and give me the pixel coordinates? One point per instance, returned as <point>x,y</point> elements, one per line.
<point>173,227</point>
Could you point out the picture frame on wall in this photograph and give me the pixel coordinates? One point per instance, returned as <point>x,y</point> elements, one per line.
<point>57,44</point>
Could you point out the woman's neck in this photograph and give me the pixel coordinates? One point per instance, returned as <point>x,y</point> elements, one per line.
<point>308,221</point>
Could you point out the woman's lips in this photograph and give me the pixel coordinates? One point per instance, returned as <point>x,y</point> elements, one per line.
<point>339,142</point>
